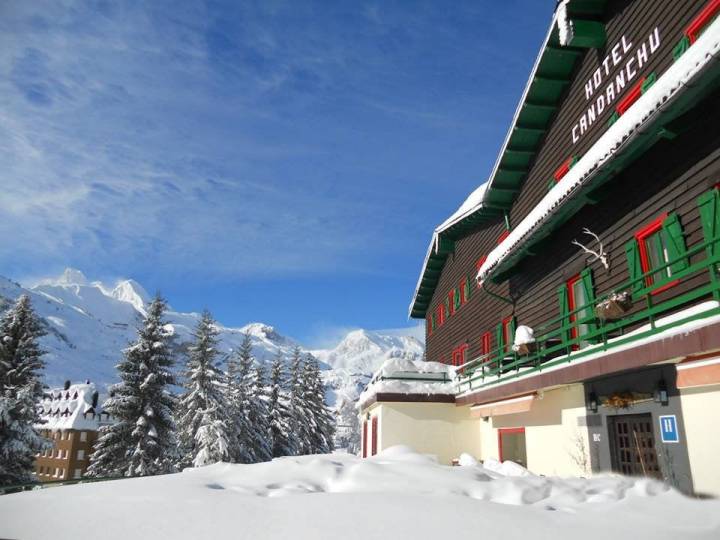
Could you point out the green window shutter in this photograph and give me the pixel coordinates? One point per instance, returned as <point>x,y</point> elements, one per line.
<point>499,340</point>
<point>433,322</point>
<point>587,284</point>
<point>673,235</point>
<point>709,205</point>
<point>634,267</point>
<point>457,299</point>
<point>562,293</point>
<point>511,334</point>
<point>468,287</point>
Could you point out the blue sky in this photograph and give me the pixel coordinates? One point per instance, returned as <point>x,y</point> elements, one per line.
<point>275,161</point>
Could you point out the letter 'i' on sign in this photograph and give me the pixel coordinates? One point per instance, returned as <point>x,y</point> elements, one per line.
<point>668,429</point>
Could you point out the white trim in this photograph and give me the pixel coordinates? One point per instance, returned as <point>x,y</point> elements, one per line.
<point>659,96</point>
<point>504,402</point>
<point>697,364</point>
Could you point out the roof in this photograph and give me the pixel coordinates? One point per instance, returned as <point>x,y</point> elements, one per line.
<point>675,91</point>
<point>74,407</point>
<point>551,73</point>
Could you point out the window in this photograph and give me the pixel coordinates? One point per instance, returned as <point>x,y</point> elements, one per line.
<point>364,439</point>
<point>83,436</point>
<point>458,355</point>
<point>441,314</point>
<point>57,472</point>
<point>485,344</point>
<point>429,324</point>
<point>80,455</point>
<point>650,252</point>
<point>506,334</point>
<point>451,302</point>
<point>62,473</point>
<point>78,473</point>
<point>374,435</point>
<point>511,445</point>
<point>577,293</point>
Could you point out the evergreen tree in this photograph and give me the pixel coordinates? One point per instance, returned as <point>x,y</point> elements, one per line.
<point>141,442</point>
<point>240,366</point>
<point>299,421</point>
<point>20,391</point>
<point>205,428</point>
<point>321,421</point>
<point>278,412</point>
<point>257,414</point>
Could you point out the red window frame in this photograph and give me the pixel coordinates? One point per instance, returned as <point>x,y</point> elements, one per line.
<point>571,305</point>
<point>506,431</point>
<point>485,343</point>
<point>640,237</point>
<point>463,283</point>
<point>503,236</point>
<point>451,302</point>
<point>506,333</point>
<point>563,169</point>
<point>441,315</point>
<point>374,436</point>
<point>700,22</point>
<point>364,439</point>
<point>458,355</point>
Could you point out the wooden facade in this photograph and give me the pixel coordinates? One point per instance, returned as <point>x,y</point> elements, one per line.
<point>668,178</point>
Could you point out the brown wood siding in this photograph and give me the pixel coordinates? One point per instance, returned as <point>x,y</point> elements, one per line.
<point>480,312</point>
<point>668,178</point>
<point>634,20</point>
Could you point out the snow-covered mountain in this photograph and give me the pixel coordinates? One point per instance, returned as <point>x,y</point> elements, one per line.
<point>88,323</point>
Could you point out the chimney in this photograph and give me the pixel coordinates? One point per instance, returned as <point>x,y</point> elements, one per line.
<point>67,385</point>
<point>94,399</point>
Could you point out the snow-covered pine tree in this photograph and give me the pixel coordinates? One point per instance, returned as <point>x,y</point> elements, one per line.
<point>240,366</point>
<point>205,428</point>
<point>321,421</point>
<point>278,413</point>
<point>20,391</point>
<point>300,417</point>
<point>257,414</point>
<point>141,442</point>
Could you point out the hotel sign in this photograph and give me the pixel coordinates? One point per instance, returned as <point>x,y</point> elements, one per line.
<point>613,77</point>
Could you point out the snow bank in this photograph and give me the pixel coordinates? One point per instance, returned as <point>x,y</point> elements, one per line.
<point>403,376</point>
<point>395,494</point>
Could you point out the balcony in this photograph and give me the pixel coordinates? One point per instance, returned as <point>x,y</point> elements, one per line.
<point>652,311</point>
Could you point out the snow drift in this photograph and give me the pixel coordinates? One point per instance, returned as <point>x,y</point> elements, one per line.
<point>396,494</point>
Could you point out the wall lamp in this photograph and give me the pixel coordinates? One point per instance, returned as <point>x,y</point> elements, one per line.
<point>592,402</point>
<point>661,393</point>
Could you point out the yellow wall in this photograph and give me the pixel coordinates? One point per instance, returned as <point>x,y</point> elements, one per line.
<point>441,429</point>
<point>700,407</point>
<point>556,444</point>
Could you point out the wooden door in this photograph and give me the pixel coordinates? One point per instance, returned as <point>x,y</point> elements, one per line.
<point>633,445</point>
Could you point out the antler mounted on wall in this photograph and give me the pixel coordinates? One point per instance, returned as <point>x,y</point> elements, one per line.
<point>599,255</point>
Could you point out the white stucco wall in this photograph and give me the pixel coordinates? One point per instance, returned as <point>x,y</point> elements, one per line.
<point>700,407</point>
<point>441,429</point>
<point>555,441</point>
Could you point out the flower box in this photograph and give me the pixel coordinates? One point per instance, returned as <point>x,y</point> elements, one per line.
<point>616,306</point>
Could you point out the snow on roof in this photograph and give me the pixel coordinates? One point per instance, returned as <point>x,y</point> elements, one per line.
<point>72,408</point>
<point>472,204</point>
<point>403,376</point>
<point>648,106</point>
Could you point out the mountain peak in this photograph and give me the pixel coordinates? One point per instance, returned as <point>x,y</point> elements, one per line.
<point>71,276</point>
<point>129,290</point>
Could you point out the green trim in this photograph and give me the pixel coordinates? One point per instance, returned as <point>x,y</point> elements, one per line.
<point>648,82</point>
<point>709,206</point>
<point>588,34</point>
<point>679,49</point>
<point>675,243</point>
<point>613,118</point>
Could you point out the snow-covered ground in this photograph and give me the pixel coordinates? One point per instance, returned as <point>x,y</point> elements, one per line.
<point>397,494</point>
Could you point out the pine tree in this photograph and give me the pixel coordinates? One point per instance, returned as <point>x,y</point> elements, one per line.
<point>239,377</point>
<point>205,428</point>
<point>257,414</point>
<point>300,419</point>
<point>141,442</point>
<point>278,411</point>
<point>321,421</point>
<point>20,391</point>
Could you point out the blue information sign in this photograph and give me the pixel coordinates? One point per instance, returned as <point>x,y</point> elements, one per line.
<point>668,429</point>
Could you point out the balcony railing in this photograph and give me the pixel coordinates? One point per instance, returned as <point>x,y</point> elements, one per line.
<point>561,340</point>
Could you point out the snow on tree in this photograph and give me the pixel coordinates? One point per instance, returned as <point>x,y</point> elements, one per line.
<point>278,411</point>
<point>299,422</point>
<point>348,426</point>
<point>257,414</point>
<point>321,421</point>
<point>20,392</point>
<point>141,442</point>
<point>205,428</point>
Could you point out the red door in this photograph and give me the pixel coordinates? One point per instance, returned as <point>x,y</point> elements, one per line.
<point>364,439</point>
<point>374,435</point>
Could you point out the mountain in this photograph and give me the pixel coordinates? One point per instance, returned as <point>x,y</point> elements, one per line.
<point>88,323</point>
